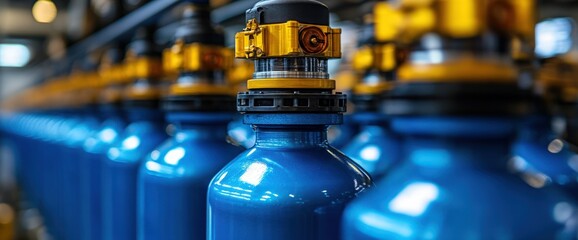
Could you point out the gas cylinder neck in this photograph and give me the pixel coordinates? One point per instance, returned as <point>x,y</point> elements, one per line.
<point>291,136</point>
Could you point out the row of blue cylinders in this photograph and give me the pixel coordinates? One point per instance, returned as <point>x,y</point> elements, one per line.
<point>112,174</point>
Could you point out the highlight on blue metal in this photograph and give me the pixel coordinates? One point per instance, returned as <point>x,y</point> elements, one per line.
<point>455,182</point>
<point>242,134</point>
<point>538,152</point>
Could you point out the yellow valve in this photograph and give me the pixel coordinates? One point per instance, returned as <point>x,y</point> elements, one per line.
<point>289,39</point>
<point>525,18</point>
<point>196,57</point>
<point>380,57</point>
<point>411,19</point>
<point>113,74</point>
<point>466,69</point>
<point>461,18</point>
<point>388,22</point>
<point>345,79</point>
<point>143,67</point>
<point>241,71</point>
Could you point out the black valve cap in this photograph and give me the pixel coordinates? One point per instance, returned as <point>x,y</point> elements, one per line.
<point>280,11</point>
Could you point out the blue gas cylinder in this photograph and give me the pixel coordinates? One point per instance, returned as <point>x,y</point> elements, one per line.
<point>455,182</point>
<point>76,126</point>
<point>147,129</point>
<point>91,161</point>
<point>173,179</point>
<point>292,184</point>
<point>145,132</point>
<point>458,117</point>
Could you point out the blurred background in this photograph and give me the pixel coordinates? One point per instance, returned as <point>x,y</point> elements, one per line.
<point>42,39</point>
<point>39,37</point>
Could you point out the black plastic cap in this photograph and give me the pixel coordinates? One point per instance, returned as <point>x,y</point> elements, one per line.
<point>280,11</point>
<point>199,103</point>
<point>143,44</point>
<point>196,27</point>
<point>458,99</point>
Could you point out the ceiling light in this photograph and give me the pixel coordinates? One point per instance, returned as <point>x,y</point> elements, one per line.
<point>44,11</point>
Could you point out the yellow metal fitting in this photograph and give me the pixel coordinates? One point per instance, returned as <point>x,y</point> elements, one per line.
<point>289,39</point>
<point>379,57</point>
<point>113,74</point>
<point>181,89</point>
<point>372,89</point>
<point>290,83</point>
<point>241,71</point>
<point>143,67</point>
<point>466,69</point>
<point>461,18</point>
<point>395,24</point>
<point>196,57</point>
<point>345,79</point>
<point>410,19</point>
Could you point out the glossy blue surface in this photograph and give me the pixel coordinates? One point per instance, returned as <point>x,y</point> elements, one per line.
<point>173,180</point>
<point>454,183</point>
<point>290,185</point>
<point>537,150</point>
<point>376,148</point>
<point>91,162</point>
<point>120,170</point>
